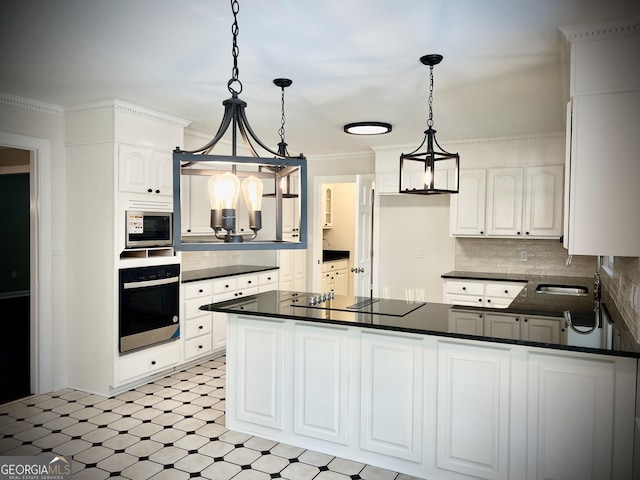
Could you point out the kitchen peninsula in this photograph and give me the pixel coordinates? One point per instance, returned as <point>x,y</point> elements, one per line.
<point>393,384</point>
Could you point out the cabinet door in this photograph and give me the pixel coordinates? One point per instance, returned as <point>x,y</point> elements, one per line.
<point>468,323</point>
<point>327,207</point>
<point>199,205</point>
<point>543,201</point>
<point>341,282</point>
<point>392,395</point>
<point>473,410</point>
<point>544,330</point>
<point>502,326</point>
<point>285,271</point>
<point>604,193</point>
<point>467,212</point>
<point>258,372</point>
<point>162,171</point>
<point>299,270</point>
<point>320,401</point>
<point>574,429</point>
<point>134,175</point>
<point>504,201</point>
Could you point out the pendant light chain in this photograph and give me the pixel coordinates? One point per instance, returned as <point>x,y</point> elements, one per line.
<point>430,120</point>
<point>235,51</point>
<point>283,119</point>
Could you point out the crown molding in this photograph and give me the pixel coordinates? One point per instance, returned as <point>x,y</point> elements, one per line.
<point>124,107</point>
<point>31,104</point>
<point>477,141</point>
<point>582,33</point>
<point>342,156</point>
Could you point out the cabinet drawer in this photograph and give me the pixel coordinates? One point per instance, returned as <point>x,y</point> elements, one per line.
<point>197,346</point>
<point>506,290</point>
<point>192,307</point>
<point>197,326</point>
<point>198,289</point>
<point>246,281</point>
<point>243,292</point>
<point>148,361</point>
<point>467,300</point>
<point>335,265</point>
<point>267,278</point>
<point>224,285</point>
<point>464,287</point>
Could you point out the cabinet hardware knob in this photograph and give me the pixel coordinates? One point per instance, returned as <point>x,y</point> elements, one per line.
<point>481,232</point>
<point>226,286</point>
<point>517,319</point>
<point>519,233</point>
<point>464,288</point>
<point>268,278</point>
<point>506,291</point>
<point>153,362</point>
<point>157,191</point>
<point>479,299</point>
<point>200,291</point>
<point>526,319</point>
<point>189,230</point>
<point>526,233</point>
<point>201,327</point>
<point>200,347</point>
<point>489,300</point>
<point>248,281</point>
<point>149,190</point>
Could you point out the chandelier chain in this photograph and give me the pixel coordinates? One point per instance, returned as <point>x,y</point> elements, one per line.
<point>283,119</point>
<point>430,120</point>
<point>235,51</point>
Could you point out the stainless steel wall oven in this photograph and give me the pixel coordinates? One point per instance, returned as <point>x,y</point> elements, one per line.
<point>149,306</point>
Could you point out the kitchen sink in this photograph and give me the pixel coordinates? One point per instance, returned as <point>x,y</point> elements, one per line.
<point>572,290</point>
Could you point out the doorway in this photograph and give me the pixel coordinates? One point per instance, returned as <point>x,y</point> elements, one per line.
<point>40,259</point>
<point>15,281</point>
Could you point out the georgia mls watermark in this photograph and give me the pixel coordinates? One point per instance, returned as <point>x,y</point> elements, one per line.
<point>35,468</point>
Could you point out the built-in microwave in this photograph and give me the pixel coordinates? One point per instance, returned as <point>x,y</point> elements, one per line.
<point>148,229</point>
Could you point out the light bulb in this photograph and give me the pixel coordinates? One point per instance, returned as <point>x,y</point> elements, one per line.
<point>427,178</point>
<point>213,198</point>
<point>225,191</point>
<point>252,188</point>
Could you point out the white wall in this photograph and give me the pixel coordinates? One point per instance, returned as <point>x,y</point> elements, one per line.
<point>409,224</point>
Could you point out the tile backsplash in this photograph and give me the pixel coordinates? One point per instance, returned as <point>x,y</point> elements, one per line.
<point>526,256</point>
<point>201,260</point>
<point>623,286</point>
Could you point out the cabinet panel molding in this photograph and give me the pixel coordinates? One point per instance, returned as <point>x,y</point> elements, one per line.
<point>321,383</point>
<point>391,396</point>
<point>473,410</point>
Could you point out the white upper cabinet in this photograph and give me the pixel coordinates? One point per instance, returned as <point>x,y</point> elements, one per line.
<point>603,141</point>
<point>327,206</point>
<point>519,202</point>
<point>468,206</point>
<point>504,201</point>
<point>145,170</point>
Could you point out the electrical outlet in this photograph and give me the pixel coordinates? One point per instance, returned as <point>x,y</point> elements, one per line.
<point>523,256</point>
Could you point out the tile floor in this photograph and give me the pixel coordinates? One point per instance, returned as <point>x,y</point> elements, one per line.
<point>169,429</point>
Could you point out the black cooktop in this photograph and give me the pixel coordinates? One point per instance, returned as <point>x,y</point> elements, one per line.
<point>344,303</point>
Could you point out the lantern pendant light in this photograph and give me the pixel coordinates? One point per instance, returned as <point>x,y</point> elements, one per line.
<point>434,170</point>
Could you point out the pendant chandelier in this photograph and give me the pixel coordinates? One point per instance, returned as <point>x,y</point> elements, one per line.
<point>434,170</point>
<point>233,173</point>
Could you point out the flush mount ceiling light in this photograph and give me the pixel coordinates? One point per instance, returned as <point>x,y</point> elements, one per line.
<point>435,170</point>
<point>367,128</point>
<point>230,220</point>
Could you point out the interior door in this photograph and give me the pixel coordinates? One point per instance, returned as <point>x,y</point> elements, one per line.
<point>364,233</point>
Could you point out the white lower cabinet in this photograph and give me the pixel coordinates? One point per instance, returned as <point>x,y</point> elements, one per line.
<point>205,332</point>
<point>136,365</point>
<point>472,433</point>
<point>579,417</point>
<point>391,395</point>
<point>432,407</point>
<point>321,382</point>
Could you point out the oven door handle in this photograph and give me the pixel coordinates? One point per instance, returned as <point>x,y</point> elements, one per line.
<point>150,283</point>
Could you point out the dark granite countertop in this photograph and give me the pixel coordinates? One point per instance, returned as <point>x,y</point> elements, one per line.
<point>426,318</point>
<point>530,302</point>
<point>217,272</point>
<point>332,255</point>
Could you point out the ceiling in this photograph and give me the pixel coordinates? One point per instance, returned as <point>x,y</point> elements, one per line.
<point>350,60</point>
